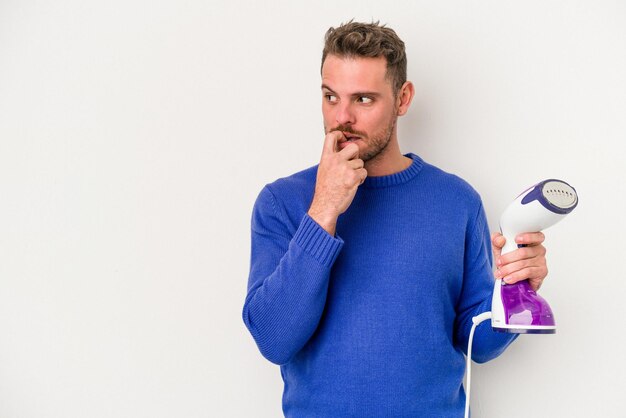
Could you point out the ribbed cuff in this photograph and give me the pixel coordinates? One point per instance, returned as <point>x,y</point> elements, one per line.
<point>317,242</point>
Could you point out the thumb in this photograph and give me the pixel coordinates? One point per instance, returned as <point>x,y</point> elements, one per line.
<point>497,242</point>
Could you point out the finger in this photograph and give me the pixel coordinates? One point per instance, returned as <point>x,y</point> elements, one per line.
<point>522,254</point>
<point>330,142</point>
<point>511,268</point>
<point>350,152</point>
<point>498,239</point>
<point>356,163</point>
<point>363,175</point>
<point>530,238</point>
<point>534,274</point>
<point>497,242</point>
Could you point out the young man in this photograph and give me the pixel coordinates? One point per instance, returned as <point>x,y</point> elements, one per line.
<point>367,269</point>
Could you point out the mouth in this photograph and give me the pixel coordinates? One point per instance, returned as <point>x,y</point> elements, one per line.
<point>351,137</point>
<point>348,139</point>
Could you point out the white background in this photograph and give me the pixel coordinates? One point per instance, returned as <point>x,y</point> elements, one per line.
<point>135,136</point>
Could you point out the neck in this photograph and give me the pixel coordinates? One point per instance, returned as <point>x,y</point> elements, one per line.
<point>389,161</point>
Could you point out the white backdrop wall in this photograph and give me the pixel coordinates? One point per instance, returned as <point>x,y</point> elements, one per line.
<point>135,136</point>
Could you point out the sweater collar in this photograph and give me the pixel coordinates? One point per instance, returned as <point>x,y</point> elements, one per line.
<point>396,178</point>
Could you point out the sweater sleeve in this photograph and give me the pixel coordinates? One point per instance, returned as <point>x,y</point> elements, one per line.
<point>476,295</point>
<point>288,281</point>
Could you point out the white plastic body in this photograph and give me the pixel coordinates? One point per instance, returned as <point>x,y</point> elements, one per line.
<point>519,218</point>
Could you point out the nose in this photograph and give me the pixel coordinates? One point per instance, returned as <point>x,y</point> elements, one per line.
<point>345,114</point>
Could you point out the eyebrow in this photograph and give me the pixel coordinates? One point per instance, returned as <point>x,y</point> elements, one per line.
<point>357,94</point>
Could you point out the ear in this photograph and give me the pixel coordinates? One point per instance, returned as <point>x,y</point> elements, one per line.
<point>405,96</point>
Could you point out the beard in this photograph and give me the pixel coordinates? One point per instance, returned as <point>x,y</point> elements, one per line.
<point>376,143</point>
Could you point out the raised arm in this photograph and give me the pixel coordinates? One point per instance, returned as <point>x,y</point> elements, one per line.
<point>290,271</point>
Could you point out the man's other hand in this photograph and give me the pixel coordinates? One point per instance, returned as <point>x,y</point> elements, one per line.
<point>528,262</point>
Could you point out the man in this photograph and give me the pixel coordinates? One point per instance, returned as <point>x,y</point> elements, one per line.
<point>367,269</point>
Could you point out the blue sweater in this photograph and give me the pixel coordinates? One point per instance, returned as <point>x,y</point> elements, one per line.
<point>373,322</point>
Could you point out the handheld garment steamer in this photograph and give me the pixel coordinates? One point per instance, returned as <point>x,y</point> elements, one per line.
<point>517,308</point>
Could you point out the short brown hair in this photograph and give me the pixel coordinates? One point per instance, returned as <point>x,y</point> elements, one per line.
<point>372,40</point>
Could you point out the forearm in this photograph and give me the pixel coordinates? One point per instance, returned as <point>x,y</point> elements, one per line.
<point>283,306</point>
<point>478,282</point>
<point>487,343</point>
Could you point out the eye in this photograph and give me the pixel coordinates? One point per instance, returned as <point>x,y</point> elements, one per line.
<point>330,98</point>
<point>365,99</point>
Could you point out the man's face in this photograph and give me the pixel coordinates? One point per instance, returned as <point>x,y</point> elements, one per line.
<point>358,100</point>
